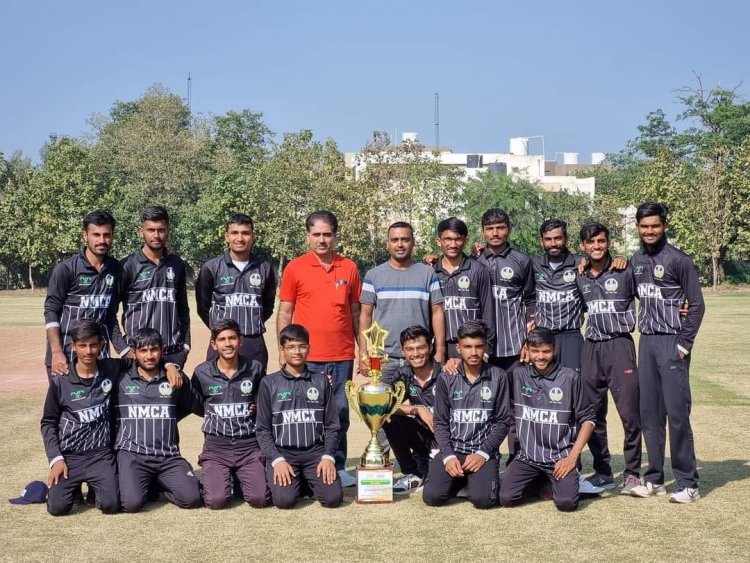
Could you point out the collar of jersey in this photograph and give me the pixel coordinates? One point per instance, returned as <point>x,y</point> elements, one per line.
<point>105,264</point>
<point>133,374</point>
<point>551,375</point>
<point>658,248</point>
<point>75,378</point>
<point>503,254</point>
<point>436,369</point>
<point>305,374</point>
<point>607,264</point>
<point>216,372</point>
<point>484,374</point>
<point>569,260</point>
<point>464,265</point>
<point>228,259</point>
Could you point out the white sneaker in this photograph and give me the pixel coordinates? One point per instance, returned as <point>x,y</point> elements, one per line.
<point>346,479</point>
<point>586,487</point>
<point>648,490</point>
<point>685,495</point>
<point>408,484</point>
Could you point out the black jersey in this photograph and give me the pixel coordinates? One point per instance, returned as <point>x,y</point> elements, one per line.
<point>154,296</point>
<point>296,413</point>
<point>78,291</point>
<point>666,277</point>
<point>472,417</point>
<point>415,394</point>
<point>467,294</point>
<point>609,302</point>
<point>558,305</point>
<point>222,291</point>
<point>77,411</point>
<point>509,271</point>
<point>549,411</point>
<point>147,412</point>
<point>225,403</point>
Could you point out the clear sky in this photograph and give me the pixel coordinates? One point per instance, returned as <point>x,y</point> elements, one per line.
<point>582,73</point>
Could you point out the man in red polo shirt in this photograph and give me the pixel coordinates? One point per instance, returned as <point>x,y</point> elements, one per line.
<point>320,291</point>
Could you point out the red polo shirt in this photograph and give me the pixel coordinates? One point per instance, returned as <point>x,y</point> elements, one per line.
<point>322,304</point>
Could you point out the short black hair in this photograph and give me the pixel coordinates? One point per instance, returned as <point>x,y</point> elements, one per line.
<point>590,230</point>
<point>552,224</point>
<point>155,213</point>
<point>147,337</point>
<point>224,324</point>
<point>99,217</point>
<point>325,216</point>
<point>453,224</point>
<point>240,219</point>
<point>414,332</point>
<point>651,208</point>
<point>294,333</point>
<point>472,329</point>
<point>85,328</point>
<point>401,225</point>
<point>495,216</point>
<point>540,336</point>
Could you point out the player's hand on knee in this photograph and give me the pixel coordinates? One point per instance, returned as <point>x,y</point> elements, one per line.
<point>473,463</point>
<point>453,468</point>
<point>59,363</point>
<point>564,467</point>
<point>57,472</point>
<point>451,366</point>
<point>283,474</point>
<point>327,471</point>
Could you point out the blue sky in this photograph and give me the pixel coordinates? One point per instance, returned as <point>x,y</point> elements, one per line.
<point>583,74</point>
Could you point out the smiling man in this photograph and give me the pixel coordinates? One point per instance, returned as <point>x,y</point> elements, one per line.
<point>238,285</point>
<point>153,290</point>
<point>320,291</point>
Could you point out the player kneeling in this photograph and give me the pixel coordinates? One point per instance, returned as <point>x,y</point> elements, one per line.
<point>298,426</point>
<point>549,410</point>
<point>76,426</point>
<point>226,389</point>
<point>147,411</point>
<point>472,417</point>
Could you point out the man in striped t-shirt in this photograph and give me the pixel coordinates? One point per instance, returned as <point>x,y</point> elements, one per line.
<point>401,293</point>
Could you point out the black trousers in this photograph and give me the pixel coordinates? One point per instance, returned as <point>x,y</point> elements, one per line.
<point>521,475</point>
<point>411,441</point>
<point>95,467</point>
<point>610,365</point>
<point>439,487</point>
<point>174,475</point>
<point>253,348</point>
<point>666,401</point>
<point>569,344</point>
<point>305,466</point>
<point>508,364</point>
<point>223,458</point>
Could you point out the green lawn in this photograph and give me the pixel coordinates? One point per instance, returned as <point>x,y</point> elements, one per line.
<point>607,529</point>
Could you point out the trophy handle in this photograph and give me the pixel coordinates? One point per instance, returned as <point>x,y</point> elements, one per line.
<point>399,391</point>
<point>351,397</point>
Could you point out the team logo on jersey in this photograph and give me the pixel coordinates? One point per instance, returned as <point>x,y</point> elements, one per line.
<point>145,274</point>
<point>507,273</point>
<point>413,390</point>
<point>486,393</point>
<point>464,282</point>
<point>226,280</point>
<point>586,288</point>
<point>555,395</point>
<point>527,391</point>
<point>246,386</point>
<point>106,386</point>
<point>638,269</point>
<point>659,271</point>
<point>77,395</point>
<point>170,273</point>
<point>284,395</point>
<point>131,390</point>
<point>109,279</point>
<point>255,279</point>
<point>540,276</point>
<point>165,389</point>
<point>312,394</point>
<point>611,285</point>
<point>458,394</point>
<point>214,389</point>
<point>569,276</point>
<point>85,280</point>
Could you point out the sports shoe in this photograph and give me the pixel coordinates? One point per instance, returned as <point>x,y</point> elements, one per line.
<point>346,479</point>
<point>409,483</point>
<point>648,490</point>
<point>630,483</point>
<point>685,495</point>
<point>586,487</point>
<point>602,481</point>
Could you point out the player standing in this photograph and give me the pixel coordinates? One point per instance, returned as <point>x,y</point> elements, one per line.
<point>153,290</point>
<point>666,277</point>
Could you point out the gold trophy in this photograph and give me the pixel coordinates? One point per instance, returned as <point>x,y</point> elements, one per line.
<point>375,402</point>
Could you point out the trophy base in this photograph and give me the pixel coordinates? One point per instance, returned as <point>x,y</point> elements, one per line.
<point>374,484</point>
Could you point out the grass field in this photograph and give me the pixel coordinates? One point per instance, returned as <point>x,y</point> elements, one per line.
<point>606,529</point>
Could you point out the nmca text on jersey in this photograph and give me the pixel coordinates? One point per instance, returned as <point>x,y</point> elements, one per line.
<point>241,300</point>
<point>455,303</point>
<point>158,294</point>
<point>601,306</point>
<point>649,290</point>
<point>555,296</point>
<point>539,415</point>
<point>148,411</point>
<point>470,415</point>
<point>299,415</point>
<point>231,410</point>
<point>95,301</point>
<point>93,413</point>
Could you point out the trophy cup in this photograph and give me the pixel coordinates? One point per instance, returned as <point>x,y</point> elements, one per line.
<point>375,402</point>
